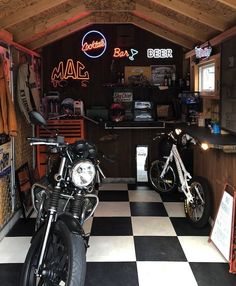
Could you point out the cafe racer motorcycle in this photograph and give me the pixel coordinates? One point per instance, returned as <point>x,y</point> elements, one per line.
<point>63,201</point>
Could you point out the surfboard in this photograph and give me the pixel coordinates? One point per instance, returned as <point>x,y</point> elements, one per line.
<point>27,91</point>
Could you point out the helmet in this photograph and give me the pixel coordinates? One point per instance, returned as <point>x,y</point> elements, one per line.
<point>117,112</point>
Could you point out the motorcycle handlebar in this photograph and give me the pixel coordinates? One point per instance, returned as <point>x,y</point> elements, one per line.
<point>46,141</point>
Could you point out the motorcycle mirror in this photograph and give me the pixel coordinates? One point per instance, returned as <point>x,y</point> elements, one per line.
<point>37,119</point>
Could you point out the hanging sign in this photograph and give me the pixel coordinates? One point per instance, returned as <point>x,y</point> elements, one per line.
<point>71,70</point>
<point>94,44</point>
<point>203,53</point>
<point>119,53</point>
<point>159,53</point>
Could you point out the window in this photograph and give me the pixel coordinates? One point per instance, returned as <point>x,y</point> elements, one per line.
<point>207,77</point>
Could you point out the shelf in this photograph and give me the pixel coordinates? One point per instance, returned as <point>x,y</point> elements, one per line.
<point>135,125</point>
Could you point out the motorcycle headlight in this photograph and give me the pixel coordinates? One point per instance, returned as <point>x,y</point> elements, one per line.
<point>83,173</point>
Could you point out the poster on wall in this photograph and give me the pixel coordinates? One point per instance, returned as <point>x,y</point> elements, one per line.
<point>137,75</point>
<point>5,159</point>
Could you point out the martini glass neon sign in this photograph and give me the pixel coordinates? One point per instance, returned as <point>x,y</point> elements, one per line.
<point>94,44</point>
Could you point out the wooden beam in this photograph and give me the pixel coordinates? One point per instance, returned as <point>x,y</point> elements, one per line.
<point>5,36</point>
<point>178,6</point>
<point>48,25</point>
<point>29,11</point>
<point>172,37</point>
<point>230,3</point>
<point>173,25</point>
<point>216,40</point>
<point>60,33</point>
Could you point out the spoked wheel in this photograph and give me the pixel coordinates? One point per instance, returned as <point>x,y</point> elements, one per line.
<point>198,212</point>
<point>64,262</point>
<point>167,182</point>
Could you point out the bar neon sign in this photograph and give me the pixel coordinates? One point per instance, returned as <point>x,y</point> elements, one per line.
<point>94,44</point>
<point>118,53</point>
<point>71,70</point>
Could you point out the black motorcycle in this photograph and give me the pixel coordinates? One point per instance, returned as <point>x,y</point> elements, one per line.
<point>63,200</point>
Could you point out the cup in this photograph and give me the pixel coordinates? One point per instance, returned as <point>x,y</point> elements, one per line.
<point>216,128</point>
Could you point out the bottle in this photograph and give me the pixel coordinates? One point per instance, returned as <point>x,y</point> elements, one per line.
<point>173,77</point>
<point>165,79</point>
<point>169,81</point>
<point>122,81</point>
<point>188,81</point>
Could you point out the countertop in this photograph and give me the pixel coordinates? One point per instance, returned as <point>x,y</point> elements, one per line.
<point>225,142</point>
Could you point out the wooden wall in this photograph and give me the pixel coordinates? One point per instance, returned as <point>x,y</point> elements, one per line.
<point>125,36</point>
<point>218,167</point>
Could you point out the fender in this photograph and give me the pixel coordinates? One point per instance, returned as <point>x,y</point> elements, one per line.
<point>71,222</point>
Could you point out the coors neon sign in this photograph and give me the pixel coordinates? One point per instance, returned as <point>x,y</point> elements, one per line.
<point>94,44</point>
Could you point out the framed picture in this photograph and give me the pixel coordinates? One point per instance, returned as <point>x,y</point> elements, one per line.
<point>24,183</point>
<point>158,73</point>
<point>137,75</point>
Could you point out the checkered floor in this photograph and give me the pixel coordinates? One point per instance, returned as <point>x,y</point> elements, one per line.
<point>137,238</point>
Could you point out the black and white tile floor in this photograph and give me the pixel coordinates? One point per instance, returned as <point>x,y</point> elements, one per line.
<point>138,238</point>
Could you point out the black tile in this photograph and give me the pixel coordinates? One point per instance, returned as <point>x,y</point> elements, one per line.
<point>147,209</point>
<point>216,274</point>
<point>23,227</point>
<point>158,248</point>
<point>173,196</point>
<point>10,274</point>
<point>183,227</point>
<point>113,196</point>
<point>111,226</point>
<point>139,187</point>
<point>111,273</point>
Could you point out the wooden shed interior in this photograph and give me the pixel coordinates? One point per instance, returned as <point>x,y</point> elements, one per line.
<point>188,23</point>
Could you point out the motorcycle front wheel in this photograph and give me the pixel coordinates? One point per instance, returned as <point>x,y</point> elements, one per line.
<point>165,184</point>
<point>198,212</point>
<point>64,262</point>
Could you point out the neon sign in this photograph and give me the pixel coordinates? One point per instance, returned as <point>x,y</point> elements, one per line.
<point>203,53</point>
<point>159,53</point>
<point>94,44</point>
<point>118,53</point>
<point>72,70</point>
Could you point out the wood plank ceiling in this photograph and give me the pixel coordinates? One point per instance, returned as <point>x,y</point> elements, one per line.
<point>37,23</point>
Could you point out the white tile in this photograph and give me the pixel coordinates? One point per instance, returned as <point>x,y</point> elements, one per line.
<point>111,248</point>
<point>144,196</point>
<point>175,209</point>
<point>199,249</point>
<point>14,249</point>
<point>113,209</point>
<point>165,273</point>
<point>114,186</point>
<point>160,226</point>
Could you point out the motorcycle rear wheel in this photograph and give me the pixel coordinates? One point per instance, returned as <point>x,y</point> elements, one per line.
<point>165,184</point>
<point>64,262</point>
<point>198,212</point>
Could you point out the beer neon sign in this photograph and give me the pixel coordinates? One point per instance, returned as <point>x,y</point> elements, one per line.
<point>94,44</point>
<point>159,53</point>
<point>118,53</point>
<point>71,70</point>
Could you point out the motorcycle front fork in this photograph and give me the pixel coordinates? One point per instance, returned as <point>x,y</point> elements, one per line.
<point>51,218</point>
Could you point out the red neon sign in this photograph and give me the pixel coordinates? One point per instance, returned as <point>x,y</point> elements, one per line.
<point>93,46</point>
<point>118,53</point>
<point>73,70</point>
